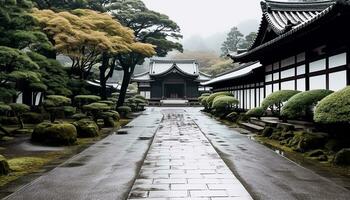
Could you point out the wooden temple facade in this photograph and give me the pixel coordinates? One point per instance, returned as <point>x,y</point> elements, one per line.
<point>299,46</point>
<point>171,79</point>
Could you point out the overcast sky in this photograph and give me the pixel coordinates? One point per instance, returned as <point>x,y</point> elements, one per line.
<point>206,17</point>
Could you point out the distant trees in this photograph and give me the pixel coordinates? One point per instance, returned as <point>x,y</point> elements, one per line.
<point>149,27</point>
<point>235,40</point>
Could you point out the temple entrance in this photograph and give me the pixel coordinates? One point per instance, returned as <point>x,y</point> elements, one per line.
<point>174,91</point>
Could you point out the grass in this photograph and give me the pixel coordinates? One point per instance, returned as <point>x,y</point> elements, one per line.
<point>21,166</point>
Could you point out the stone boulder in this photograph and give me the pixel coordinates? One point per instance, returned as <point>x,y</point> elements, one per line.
<point>342,157</point>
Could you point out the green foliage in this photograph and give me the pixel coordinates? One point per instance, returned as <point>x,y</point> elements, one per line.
<point>124,111</point>
<point>203,95</point>
<point>4,108</point>
<point>301,105</point>
<point>32,118</point>
<point>277,99</point>
<point>256,112</point>
<point>55,104</point>
<point>86,128</point>
<point>95,109</point>
<point>19,109</point>
<point>233,116</point>
<point>55,134</point>
<point>211,98</point>
<point>38,87</point>
<point>204,102</point>
<point>335,108</point>
<point>7,94</point>
<point>224,102</point>
<point>112,114</point>
<point>82,100</point>
<point>4,166</point>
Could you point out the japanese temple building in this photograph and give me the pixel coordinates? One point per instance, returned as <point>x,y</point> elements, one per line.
<point>299,46</point>
<point>171,79</point>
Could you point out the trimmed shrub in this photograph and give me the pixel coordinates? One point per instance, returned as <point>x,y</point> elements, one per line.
<point>211,98</point>
<point>4,108</point>
<point>204,102</point>
<point>19,109</point>
<point>224,102</point>
<point>81,100</point>
<point>256,112</point>
<point>79,116</point>
<point>277,99</point>
<point>124,111</point>
<point>301,105</point>
<point>69,110</point>
<point>4,166</point>
<point>55,134</point>
<point>32,118</point>
<point>334,109</point>
<point>86,128</point>
<point>233,116</point>
<point>8,120</point>
<point>54,104</point>
<point>113,114</point>
<point>202,96</point>
<point>95,109</point>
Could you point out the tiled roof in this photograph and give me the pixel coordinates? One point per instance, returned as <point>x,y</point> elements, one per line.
<point>243,70</point>
<point>159,67</point>
<point>287,18</point>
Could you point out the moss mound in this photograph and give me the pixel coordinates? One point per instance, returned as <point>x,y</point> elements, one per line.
<point>342,157</point>
<point>4,166</point>
<point>86,128</point>
<point>55,134</point>
<point>32,118</point>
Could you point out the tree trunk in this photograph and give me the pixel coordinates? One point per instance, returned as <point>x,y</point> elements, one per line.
<point>103,78</point>
<point>21,124</point>
<point>125,84</point>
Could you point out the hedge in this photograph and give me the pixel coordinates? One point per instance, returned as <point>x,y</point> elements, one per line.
<point>301,105</point>
<point>277,99</point>
<point>334,108</point>
<point>211,98</point>
<point>256,112</point>
<point>224,102</point>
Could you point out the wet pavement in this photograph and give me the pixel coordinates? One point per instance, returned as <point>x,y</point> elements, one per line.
<point>181,164</point>
<point>191,157</point>
<point>106,170</point>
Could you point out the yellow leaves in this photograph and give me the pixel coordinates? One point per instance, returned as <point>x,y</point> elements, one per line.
<point>144,49</point>
<point>83,31</point>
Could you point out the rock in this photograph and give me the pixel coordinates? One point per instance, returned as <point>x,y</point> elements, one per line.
<point>312,141</point>
<point>4,166</point>
<point>267,132</point>
<point>315,153</point>
<point>276,135</point>
<point>342,157</point>
<point>286,135</point>
<point>285,127</point>
<point>86,128</point>
<point>55,134</point>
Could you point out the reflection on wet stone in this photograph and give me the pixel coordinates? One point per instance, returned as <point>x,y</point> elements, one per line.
<point>182,164</point>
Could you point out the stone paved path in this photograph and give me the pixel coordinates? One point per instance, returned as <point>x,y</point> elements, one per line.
<point>182,164</point>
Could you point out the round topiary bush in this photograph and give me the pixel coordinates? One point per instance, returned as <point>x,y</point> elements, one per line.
<point>224,102</point>
<point>256,112</point>
<point>124,111</point>
<point>95,109</point>
<point>334,109</point>
<point>204,102</point>
<point>211,98</point>
<point>301,105</point>
<point>86,128</point>
<point>276,99</point>
<point>81,100</point>
<point>19,109</point>
<point>55,134</point>
<point>202,96</point>
<point>54,105</point>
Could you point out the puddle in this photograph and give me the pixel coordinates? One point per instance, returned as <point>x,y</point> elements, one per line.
<point>145,138</point>
<point>73,164</point>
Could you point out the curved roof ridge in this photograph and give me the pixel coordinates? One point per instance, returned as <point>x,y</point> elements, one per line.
<point>177,68</point>
<point>297,5</point>
<point>141,74</point>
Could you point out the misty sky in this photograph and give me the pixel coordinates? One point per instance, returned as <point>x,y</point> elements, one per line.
<point>207,17</point>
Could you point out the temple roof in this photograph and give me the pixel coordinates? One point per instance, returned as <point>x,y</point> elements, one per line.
<point>283,19</point>
<point>160,67</point>
<point>242,70</point>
